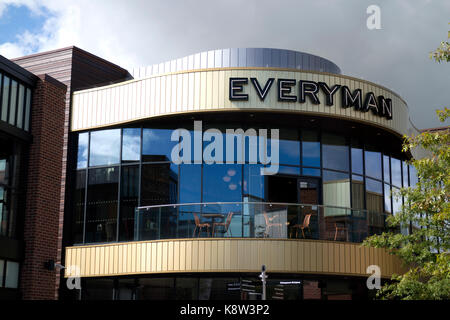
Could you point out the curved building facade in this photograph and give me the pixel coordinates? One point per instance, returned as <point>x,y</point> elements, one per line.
<point>190,177</point>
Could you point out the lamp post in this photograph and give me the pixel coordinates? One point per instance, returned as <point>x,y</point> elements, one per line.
<point>263,277</point>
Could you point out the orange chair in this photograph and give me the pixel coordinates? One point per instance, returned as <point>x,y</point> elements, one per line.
<point>199,225</point>
<point>226,225</point>
<point>270,224</point>
<point>303,226</point>
<point>340,227</point>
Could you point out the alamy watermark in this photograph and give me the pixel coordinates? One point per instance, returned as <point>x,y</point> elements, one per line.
<point>235,140</point>
<point>374,19</point>
<point>374,280</point>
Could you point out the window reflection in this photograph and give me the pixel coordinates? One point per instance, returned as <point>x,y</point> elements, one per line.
<point>311,172</point>
<point>159,184</point>
<point>101,213</point>
<point>253,183</point>
<point>386,169</point>
<point>289,147</point>
<point>357,160</point>
<point>335,152</point>
<point>357,192</point>
<point>131,144</point>
<point>129,197</point>
<point>157,145</point>
<point>310,149</point>
<point>413,176</point>
<point>20,106</point>
<point>374,195</point>
<point>396,172</point>
<point>83,139</point>
<point>405,174</point>
<point>190,183</point>
<point>336,192</point>
<point>222,183</point>
<point>373,163</point>
<point>387,198</point>
<point>12,103</point>
<point>78,207</point>
<point>104,147</point>
<point>5,97</point>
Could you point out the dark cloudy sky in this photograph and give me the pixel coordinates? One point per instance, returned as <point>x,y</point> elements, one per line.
<point>134,33</point>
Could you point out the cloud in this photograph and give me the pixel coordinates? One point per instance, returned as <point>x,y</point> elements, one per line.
<point>138,33</point>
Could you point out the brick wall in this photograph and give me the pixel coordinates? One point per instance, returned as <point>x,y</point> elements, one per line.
<point>42,211</point>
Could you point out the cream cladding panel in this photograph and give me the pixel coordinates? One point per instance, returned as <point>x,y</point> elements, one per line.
<point>208,90</point>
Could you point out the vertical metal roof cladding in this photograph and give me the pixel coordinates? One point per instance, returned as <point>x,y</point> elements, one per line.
<point>241,57</point>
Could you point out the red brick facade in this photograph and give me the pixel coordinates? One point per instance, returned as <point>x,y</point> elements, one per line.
<point>42,212</point>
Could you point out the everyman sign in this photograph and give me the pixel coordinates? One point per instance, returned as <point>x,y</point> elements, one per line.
<point>288,90</point>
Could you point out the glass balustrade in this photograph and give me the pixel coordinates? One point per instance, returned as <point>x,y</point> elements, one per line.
<point>256,220</point>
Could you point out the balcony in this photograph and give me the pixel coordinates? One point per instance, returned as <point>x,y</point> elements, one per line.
<point>256,220</point>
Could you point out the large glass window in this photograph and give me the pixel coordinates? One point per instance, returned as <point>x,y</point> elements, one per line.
<point>413,176</point>
<point>5,98</point>
<point>373,163</point>
<point>159,184</point>
<point>386,169</point>
<point>310,149</point>
<point>157,145</point>
<point>336,192</point>
<point>374,196</point>
<point>101,215</point>
<point>357,158</point>
<point>335,152</point>
<point>12,275</point>
<point>253,183</point>
<point>289,147</point>
<point>357,192</point>
<point>20,106</point>
<point>131,144</point>
<point>387,198</point>
<point>405,174</point>
<point>396,168</point>
<point>222,183</point>
<point>78,207</point>
<point>190,186</point>
<point>129,197</point>
<point>27,110</point>
<point>13,103</point>
<point>82,155</point>
<point>104,147</point>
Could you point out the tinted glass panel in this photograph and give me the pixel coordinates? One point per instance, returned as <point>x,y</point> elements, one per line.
<point>101,214</point>
<point>357,160</point>
<point>253,183</point>
<point>12,275</point>
<point>222,183</point>
<point>289,146</point>
<point>357,192</point>
<point>104,147</point>
<point>413,175</point>
<point>83,139</point>
<point>13,103</point>
<point>336,192</point>
<point>387,198</point>
<point>373,164</point>
<point>129,197</point>
<point>310,149</point>
<point>386,169</point>
<point>20,106</point>
<point>335,152</point>
<point>5,98</point>
<point>396,168</point>
<point>405,174</point>
<point>157,145</point>
<point>78,206</point>
<point>374,196</point>
<point>131,144</point>
<point>190,183</point>
<point>27,110</point>
<point>159,184</point>
<point>311,172</point>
